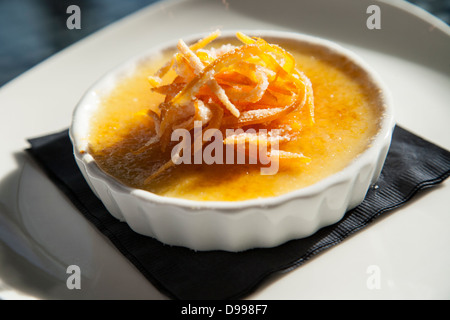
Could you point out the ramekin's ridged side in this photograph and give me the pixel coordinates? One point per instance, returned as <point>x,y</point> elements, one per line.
<point>239,229</point>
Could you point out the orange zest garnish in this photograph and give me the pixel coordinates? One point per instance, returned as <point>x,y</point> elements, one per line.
<point>256,83</point>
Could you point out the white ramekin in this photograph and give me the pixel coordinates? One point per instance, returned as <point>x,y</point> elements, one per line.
<point>240,225</point>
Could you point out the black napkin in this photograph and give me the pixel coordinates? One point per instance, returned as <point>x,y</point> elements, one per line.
<point>412,165</point>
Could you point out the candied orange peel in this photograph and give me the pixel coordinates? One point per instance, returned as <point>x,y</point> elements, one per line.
<point>253,84</point>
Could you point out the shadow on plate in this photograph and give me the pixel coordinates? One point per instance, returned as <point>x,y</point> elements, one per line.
<point>42,234</point>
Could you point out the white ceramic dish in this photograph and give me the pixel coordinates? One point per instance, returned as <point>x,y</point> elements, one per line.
<point>238,225</point>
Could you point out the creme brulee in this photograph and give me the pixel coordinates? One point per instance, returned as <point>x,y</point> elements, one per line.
<point>346,118</point>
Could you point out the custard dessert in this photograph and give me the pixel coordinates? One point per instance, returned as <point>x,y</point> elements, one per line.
<point>235,118</point>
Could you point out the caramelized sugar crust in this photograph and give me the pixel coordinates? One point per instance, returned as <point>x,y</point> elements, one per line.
<point>347,110</point>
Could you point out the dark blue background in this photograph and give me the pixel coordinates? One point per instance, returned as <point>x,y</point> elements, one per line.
<point>32,30</point>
